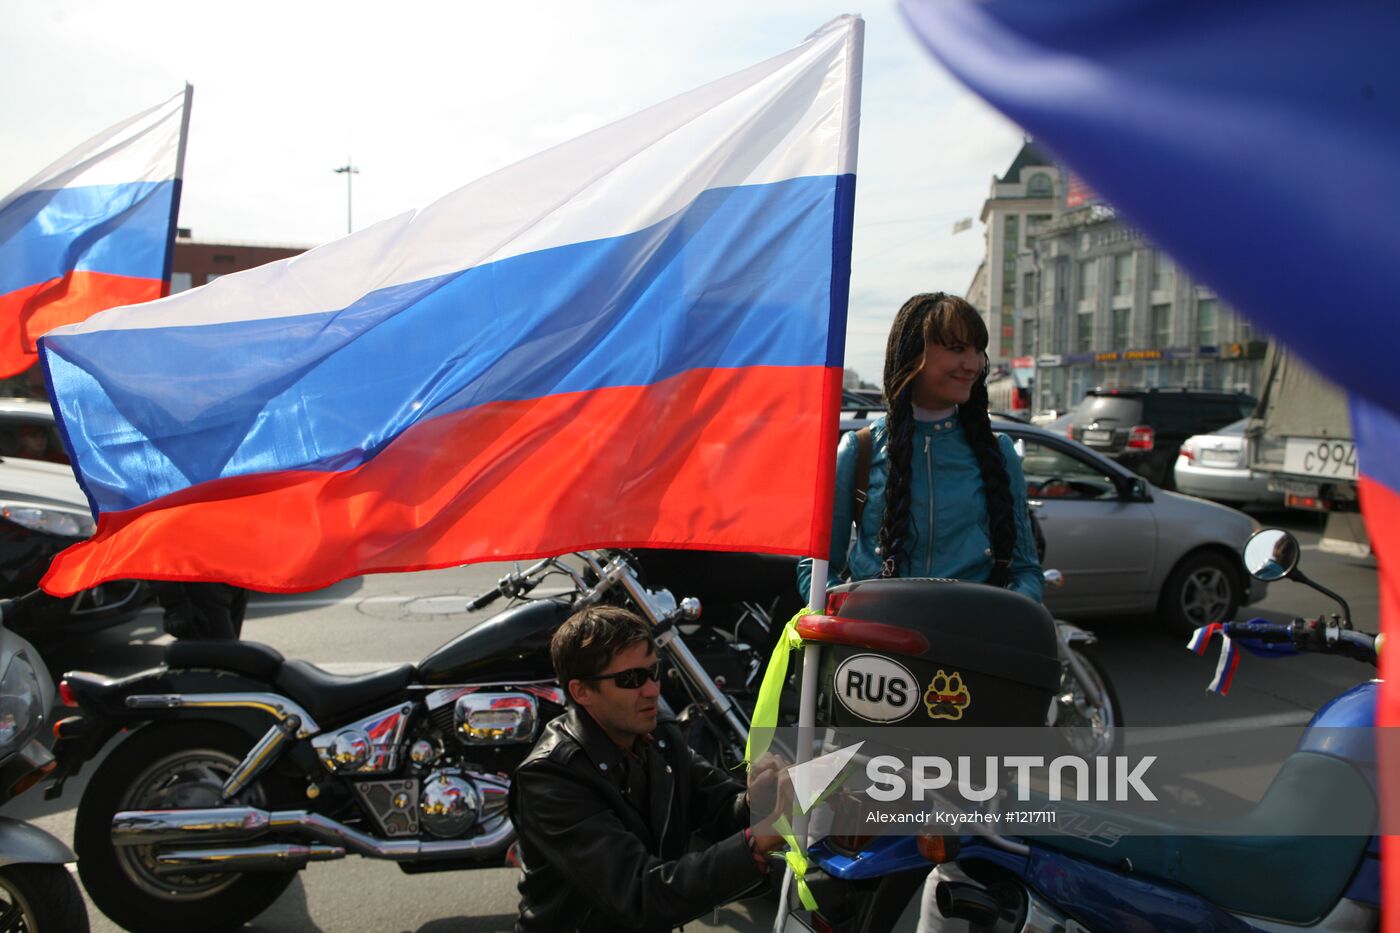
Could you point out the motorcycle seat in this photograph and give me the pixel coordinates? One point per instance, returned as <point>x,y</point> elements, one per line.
<point>257,661</point>
<point>1276,861</point>
<point>331,697</point>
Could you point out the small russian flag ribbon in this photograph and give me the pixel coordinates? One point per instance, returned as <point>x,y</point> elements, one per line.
<point>1229,656</point>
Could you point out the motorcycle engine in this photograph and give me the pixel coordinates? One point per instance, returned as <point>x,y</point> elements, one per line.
<point>449,803</point>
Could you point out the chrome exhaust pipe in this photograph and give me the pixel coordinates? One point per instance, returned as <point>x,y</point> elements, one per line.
<point>152,827</point>
<point>242,824</point>
<point>253,858</point>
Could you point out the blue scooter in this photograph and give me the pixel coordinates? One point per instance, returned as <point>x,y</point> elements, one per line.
<point>1275,870</point>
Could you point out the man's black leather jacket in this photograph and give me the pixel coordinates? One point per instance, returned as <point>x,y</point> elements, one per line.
<point>589,859</point>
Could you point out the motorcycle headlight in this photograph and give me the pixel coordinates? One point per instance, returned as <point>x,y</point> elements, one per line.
<point>21,705</point>
<point>52,521</point>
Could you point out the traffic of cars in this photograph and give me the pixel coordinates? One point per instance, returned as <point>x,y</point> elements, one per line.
<point>1143,429</point>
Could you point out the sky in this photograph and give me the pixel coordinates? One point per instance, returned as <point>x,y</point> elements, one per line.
<point>424,97</point>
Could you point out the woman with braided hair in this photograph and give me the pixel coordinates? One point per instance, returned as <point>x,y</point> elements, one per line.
<point>946,496</point>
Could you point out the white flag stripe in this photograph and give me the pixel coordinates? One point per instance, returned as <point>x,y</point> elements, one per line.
<point>775,121</point>
<point>140,149</point>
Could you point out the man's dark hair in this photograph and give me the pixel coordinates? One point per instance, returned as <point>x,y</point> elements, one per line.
<point>590,638</point>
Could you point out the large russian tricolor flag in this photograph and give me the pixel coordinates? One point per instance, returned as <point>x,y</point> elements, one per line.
<point>94,230</point>
<point>634,338</point>
<point>1258,142</point>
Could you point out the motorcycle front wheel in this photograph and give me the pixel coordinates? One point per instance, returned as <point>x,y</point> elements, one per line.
<point>41,899</point>
<point>1090,728</point>
<point>175,766</point>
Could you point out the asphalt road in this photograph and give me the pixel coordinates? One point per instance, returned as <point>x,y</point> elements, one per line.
<point>376,621</point>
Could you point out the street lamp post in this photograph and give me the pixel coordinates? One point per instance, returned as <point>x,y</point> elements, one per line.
<point>348,169</point>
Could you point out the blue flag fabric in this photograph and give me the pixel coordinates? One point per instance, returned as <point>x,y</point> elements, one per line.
<point>1258,142</point>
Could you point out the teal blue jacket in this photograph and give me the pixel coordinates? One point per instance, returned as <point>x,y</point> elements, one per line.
<point>946,492</point>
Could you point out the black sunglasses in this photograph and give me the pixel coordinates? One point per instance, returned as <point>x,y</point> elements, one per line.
<point>632,678</point>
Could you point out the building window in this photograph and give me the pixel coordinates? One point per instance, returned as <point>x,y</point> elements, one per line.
<point>1161,326</point>
<point>1035,221</point>
<point>1161,271</point>
<point>1028,289</point>
<point>181,282</point>
<point>1244,330</point>
<point>1085,338</point>
<point>1207,321</point>
<point>1039,186</point>
<point>1121,322</point>
<point>1087,270</point>
<point>1012,241</point>
<point>1028,329</point>
<point>1123,275</point>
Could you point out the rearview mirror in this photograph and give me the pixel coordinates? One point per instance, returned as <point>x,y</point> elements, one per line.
<point>1271,554</point>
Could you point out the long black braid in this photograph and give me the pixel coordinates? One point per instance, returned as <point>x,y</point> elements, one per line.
<point>938,317</point>
<point>996,485</point>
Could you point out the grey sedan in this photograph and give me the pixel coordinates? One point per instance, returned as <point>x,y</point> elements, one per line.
<point>1216,466</point>
<point>1126,546</point>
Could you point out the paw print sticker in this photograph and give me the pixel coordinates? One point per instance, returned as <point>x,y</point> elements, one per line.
<point>947,696</point>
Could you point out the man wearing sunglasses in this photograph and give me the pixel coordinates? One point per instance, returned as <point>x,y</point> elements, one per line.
<point>607,802</point>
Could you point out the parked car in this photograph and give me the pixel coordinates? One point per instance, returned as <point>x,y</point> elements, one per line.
<point>1143,429</point>
<point>1127,546</point>
<point>43,511</point>
<point>27,430</point>
<point>1216,466</point>
<point>859,407</point>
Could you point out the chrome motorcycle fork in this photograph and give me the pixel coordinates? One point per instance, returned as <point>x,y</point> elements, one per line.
<point>1066,634</point>
<point>668,638</point>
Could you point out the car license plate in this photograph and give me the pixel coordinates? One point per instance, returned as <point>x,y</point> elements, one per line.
<point>1221,457</point>
<point>1098,437</point>
<point>1295,487</point>
<point>1332,459</point>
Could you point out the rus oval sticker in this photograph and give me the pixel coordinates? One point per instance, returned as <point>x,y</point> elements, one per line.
<point>876,688</point>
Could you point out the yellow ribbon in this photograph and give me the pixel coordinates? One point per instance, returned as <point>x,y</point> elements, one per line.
<point>797,862</point>
<point>765,710</point>
<point>765,720</point>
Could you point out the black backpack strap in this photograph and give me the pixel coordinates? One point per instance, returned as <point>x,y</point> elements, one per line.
<point>865,449</point>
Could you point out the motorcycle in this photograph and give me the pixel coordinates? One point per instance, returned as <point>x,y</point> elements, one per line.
<point>1227,883</point>
<point>244,767</point>
<point>748,597</point>
<point>37,892</point>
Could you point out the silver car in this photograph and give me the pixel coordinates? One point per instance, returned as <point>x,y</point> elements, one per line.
<point>1126,546</point>
<point>27,431</point>
<point>43,511</point>
<point>1216,466</point>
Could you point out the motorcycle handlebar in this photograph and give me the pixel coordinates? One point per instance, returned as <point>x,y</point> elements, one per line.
<point>1313,636</point>
<point>512,585</point>
<point>1261,630</point>
<point>485,599</point>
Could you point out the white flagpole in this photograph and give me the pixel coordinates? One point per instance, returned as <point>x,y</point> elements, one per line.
<point>816,591</point>
<point>816,594</point>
